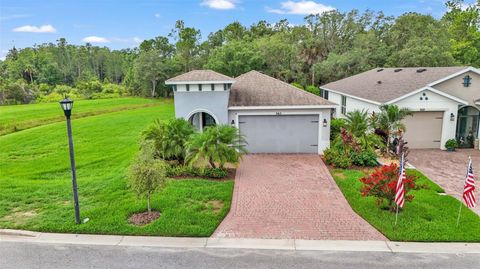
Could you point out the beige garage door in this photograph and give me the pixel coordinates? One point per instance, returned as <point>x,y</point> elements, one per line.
<point>424,129</point>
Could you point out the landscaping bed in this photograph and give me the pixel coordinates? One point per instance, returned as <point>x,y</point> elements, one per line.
<point>430,217</point>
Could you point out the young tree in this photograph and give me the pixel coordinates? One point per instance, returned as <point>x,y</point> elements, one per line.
<point>147,174</point>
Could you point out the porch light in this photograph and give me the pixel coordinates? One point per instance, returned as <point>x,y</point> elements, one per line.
<point>232,123</point>
<point>324,122</point>
<point>452,117</point>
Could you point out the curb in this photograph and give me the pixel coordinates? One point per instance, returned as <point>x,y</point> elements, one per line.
<point>7,235</point>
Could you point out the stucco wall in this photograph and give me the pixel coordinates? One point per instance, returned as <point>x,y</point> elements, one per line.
<point>454,86</point>
<point>213,102</point>
<point>352,104</point>
<point>435,102</point>
<point>324,137</point>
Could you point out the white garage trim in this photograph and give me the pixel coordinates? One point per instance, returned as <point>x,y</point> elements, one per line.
<point>277,113</point>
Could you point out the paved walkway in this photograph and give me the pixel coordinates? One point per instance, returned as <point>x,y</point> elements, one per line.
<point>447,169</point>
<point>290,196</point>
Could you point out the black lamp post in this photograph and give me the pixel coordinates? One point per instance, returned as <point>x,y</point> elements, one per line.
<point>67,106</point>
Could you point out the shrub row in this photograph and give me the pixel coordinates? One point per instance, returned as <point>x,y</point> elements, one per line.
<point>192,171</point>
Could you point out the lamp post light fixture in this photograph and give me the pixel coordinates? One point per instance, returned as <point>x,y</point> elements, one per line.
<point>67,106</point>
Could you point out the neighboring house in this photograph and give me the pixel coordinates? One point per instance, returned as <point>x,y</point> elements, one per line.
<point>445,100</point>
<point>274,116</point>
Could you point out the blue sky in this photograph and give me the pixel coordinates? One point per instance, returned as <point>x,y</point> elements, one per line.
<point>124,23</point>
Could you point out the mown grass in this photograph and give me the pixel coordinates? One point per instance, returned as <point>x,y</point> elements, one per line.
<point>35,181</point>
<point>430,217</point>
<point>21,117</point>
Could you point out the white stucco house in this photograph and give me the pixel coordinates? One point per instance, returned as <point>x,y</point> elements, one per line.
<point>445,101</point>
<point>274,116</point>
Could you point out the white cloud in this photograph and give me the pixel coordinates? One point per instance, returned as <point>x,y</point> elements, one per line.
<point>157,15</point>
<point>301,7</point>
<point>219,4</point>
<point>95,39</point>
<point>137,39</point>
<point>47,28</point>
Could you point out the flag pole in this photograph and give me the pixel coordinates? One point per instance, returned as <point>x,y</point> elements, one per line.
<point>396,216</point>
<point>461,203</point>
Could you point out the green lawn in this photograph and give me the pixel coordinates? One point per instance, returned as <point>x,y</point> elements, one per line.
<point>21,117</point>
<point>35,182</point>
<point>429,217</point>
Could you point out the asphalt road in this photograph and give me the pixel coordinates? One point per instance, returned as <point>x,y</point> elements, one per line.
<point>34,255</point>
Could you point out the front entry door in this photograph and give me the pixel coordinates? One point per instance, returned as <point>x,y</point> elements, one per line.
<point>467,126</point>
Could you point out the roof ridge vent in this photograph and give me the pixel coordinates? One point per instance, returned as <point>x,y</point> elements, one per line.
<point>380,70</point>
<point>397,70</point>
<point>379,82</point>
<point>420,70</point>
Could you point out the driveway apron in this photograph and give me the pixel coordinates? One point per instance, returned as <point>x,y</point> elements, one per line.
<point>447,169</point>
<point>290,196</point>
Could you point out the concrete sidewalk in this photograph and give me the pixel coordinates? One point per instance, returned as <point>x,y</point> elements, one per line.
<point>237,243</point>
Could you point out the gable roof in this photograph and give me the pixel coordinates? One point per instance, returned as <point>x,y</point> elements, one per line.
<point>196,76</point>
<point>384,84</point>
<point>257,89</point>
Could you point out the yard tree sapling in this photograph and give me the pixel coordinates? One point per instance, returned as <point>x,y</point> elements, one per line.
<point>147,174</point>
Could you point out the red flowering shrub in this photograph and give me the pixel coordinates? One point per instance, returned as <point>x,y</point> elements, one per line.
<point>382,184</point>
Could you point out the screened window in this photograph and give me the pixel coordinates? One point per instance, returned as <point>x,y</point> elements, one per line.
<point>344,105</point>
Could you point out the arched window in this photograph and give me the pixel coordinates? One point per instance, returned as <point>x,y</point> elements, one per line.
<point>201,120</point>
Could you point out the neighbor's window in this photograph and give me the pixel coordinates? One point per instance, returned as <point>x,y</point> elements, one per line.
<point>344,105</point>
<point>325,94</point>
<point>467,81</point>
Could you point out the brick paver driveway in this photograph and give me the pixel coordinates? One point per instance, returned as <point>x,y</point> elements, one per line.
<point>290,196</point>
<point>447,169</point>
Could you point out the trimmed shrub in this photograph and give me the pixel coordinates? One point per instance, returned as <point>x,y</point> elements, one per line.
<point>365,157</point>
<point>336,158</point>
<point>215,172</point>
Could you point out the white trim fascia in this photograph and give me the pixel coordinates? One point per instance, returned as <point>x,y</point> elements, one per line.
<point>280,107</point>
<point>468,69</point>
<point>199,82</point>
<point>428,88</point>
<point>353,96</point>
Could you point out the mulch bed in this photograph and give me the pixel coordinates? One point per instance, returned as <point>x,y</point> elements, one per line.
<point>230,176</point>
<point>144,218</point>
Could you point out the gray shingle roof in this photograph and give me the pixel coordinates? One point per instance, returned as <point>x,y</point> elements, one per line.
<point>199,75</point>
<point>386,85</point>
<point>256,89</point>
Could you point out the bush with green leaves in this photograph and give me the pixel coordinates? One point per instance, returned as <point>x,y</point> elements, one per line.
<point>169,138</point>
<point>313,89</point>
<point>366,157</point>
<point>217,145</point>
<point>194,171</point>
<point>451,144</point>
<point>215,172</point>
<point>336,158</point>
<point>147,174</point>
<point>335,125</point>
<point>298,85</point>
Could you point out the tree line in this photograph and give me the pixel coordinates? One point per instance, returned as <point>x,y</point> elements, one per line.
<point>326,47</point>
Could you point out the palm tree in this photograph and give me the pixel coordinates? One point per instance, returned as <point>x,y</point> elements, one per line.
<point>389,121</point>
<point>218,144</point>
<point>170,138</point>
<point>357,123</point>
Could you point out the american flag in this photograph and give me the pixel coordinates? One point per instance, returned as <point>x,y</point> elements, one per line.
<point>469,188</point>
<point>400,191</point>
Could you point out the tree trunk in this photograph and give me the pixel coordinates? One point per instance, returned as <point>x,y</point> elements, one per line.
<point>154,84</point>
<point>212,163</point>
<point>148,203</point>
